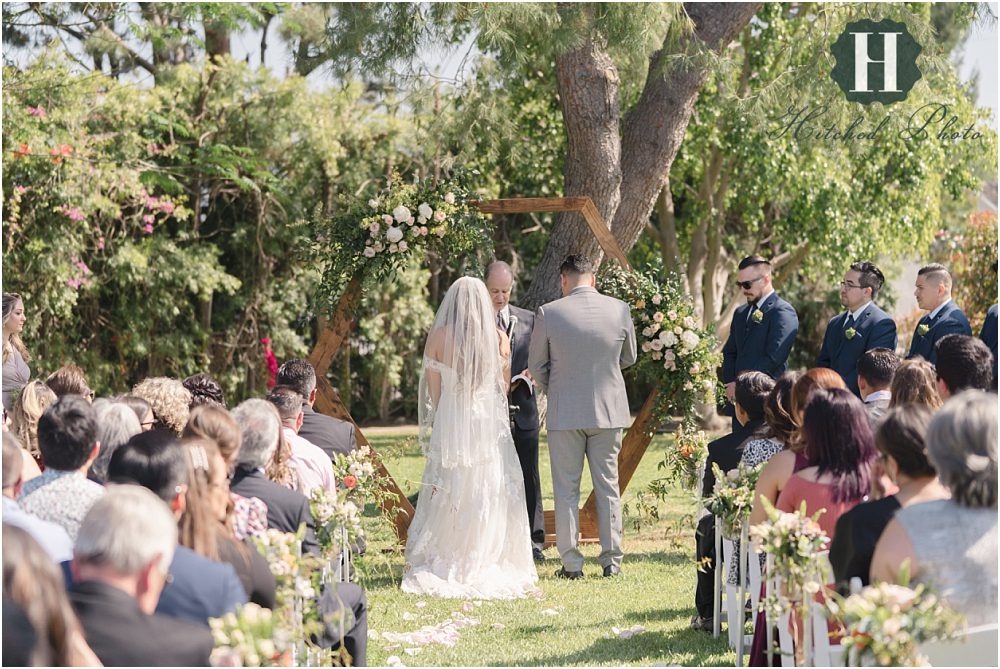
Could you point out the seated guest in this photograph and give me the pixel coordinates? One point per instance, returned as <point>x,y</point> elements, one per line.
<point>312,466</point>
<point>915,382</point>
<point>119,569</point>
<point>287,510</point>
<point>116,424</point>
<point>778,421</point>
<point>988,335</point>
<point>749,394</point>
<point>34,583</point>
<point>330,434</point>
<point>249,517</point>
<point>51,537</point>
<point>952,544</point>
<point>69,380</point>
<point>203,524</point>
<point>142,410</point>
<point>204,389</point>
<point>200,588</point>
<point>900,441</point>
<point>962,362</point>
<point>170,402</point>
<point>67,439</point>
<point>840,450</point>
<point>875,370</point>
<point>29,406</point>
<point>781,466</point>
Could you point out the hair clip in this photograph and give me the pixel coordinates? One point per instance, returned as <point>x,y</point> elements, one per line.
<point>199,459</point>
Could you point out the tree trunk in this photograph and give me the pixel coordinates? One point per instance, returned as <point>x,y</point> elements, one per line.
<point>588,93</point>
<point>216,40</point>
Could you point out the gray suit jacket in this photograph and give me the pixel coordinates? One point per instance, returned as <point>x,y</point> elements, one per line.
<point>579,346</point>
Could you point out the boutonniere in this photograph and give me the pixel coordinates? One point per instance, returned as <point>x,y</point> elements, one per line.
<point>923,329</point>
<point>850,332</point>
<point>758,316</point>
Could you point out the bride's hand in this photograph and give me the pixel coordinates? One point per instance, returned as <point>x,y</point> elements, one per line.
<point>504,344</point>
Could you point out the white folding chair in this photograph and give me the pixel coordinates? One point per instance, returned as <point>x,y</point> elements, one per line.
<point>976,648</point>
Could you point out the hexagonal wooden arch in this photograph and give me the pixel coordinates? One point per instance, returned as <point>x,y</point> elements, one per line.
<point>333,334</point>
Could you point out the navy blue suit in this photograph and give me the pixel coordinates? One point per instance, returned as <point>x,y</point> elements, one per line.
<point>989,336</point>
<point>950,320</point>
<point>763,345</point>
<point>872,329</point>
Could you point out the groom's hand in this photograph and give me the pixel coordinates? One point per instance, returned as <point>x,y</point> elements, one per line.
<point>504,344</point>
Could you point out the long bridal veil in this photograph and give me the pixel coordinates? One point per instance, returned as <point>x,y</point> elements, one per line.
<point>465,323</point>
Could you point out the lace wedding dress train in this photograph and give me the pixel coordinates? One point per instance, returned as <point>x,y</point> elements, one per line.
<point>469,537</point>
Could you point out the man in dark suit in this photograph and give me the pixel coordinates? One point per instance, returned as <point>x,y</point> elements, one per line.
<point>933,293</point>
<point>989,336</point>
<point>331,434</point>
<point>861,328</point>
<point>125,543</point>
<point>750,393</point>
<point>200,588</point>
<point>518,323</point>
<point>762,331</point>
<point>287,510</point>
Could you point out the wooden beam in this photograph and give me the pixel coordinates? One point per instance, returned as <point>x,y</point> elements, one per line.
<point>604,237</point>
<point>529,205</point>
<point>337,328</point>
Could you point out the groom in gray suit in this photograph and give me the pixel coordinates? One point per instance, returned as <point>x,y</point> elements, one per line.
<point>579,346</point>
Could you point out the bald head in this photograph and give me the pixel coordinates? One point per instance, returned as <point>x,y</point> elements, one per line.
<point>499,279</point>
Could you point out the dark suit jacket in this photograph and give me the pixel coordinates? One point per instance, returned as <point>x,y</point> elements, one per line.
<point>121,635</point>
<point>331,434</point>
<point>950,320</point>
<point>201,588</point>
<point>726,452</point>
<point>527,418</point>
<point>873,329</point>
<point>989,336</point>
<point>286,509</point>
<point>762,346</point>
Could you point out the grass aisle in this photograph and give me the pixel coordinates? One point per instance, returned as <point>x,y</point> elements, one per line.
<point>571,622</point>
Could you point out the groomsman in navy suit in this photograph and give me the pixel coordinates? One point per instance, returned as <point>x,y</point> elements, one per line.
<point>861,328</point>
<point>933,293</point>
<point>989,336</point>
<point>763,330</point>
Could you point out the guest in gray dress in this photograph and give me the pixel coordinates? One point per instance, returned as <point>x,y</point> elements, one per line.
<point>952,544</point>
<point>15,356</point>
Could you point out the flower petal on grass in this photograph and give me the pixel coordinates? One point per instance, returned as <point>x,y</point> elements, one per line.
<point>550,612</point>
<point>394,661</point>
<point>467,607</point>
<point>408,616</point>
<point>421,604</point>
<point>629,632</point>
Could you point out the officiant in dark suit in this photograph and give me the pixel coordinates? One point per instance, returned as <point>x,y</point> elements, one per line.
<point>517,323</point>
<point>859,329</point>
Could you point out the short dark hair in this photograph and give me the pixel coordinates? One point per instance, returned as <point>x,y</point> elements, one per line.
<point>903,435</point>
<point>68,380</point>
<point>576,264</point>
<point>298,374</point>
<point>964,362</point>
<point>287,400</point>
<point>753,260</point>
<point>204,389</point>
<point>871,276</point>
<point>139,406</point>
<point>877,367</point>
<point>936,272</point>
<point>67,432</point>
<point>751,391</point>
<point>154,460</point>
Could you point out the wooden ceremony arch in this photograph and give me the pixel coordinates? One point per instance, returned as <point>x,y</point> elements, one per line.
<point>636,439</point>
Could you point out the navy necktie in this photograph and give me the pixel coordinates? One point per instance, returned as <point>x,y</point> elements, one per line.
<point>850,322</point>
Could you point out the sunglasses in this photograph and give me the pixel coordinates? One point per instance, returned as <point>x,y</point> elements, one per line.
<point>745,285</point>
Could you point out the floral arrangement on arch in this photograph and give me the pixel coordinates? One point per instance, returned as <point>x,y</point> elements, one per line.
<point>686,456</point>
<point>369,238</point>
<point>732,497</point>
<point>674,350</point>
<point>885,623</point>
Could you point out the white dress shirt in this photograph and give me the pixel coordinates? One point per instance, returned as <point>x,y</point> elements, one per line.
<point>314,467</point>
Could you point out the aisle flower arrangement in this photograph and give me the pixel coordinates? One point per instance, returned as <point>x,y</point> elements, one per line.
<point>337,518</point>
<point>250,637</point>
<point>732,497</point>
<point>885,624</point>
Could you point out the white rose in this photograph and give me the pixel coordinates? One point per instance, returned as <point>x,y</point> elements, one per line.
<point>656,344</point>
<point>401,213</point>
<point>374,228</point>
<point>695,368</point>
<point>670,356</point>
<point>646,347</point>
<point>402,247</point>
<point>670,365</point>
<point>668,338</point>
<point>441,232</point>
<point>387,219</point>
<point>393,234</point>
<point>369,252</point>
<point>449,197</point>
<point>658,317</point>
<point>689,339</point>
<point>678,330</point>
<point>688,322</point>
<point>654,328</point>
<point>439,216</point>
<point>657,298</point>
<point>646,332</point>
<point>657,355</point>
<point>688,386</point>
<point>373,203</point>
<point>421,220</point>
<point>378,246</point>
<point>393,248</point>
<point>424,210</point>
<point>672,315</point>
<point>708,384</point>
<point>423,230</point>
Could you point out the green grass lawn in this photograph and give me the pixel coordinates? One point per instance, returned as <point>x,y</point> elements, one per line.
<point>571,622</point>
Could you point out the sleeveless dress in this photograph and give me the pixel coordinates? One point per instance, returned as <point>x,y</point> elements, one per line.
<point>469,537</point>
<point>16,375</point>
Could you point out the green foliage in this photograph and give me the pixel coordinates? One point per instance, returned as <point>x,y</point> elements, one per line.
<point>970,253</point>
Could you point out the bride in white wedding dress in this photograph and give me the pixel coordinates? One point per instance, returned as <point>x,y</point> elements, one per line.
<point>469,536</point>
